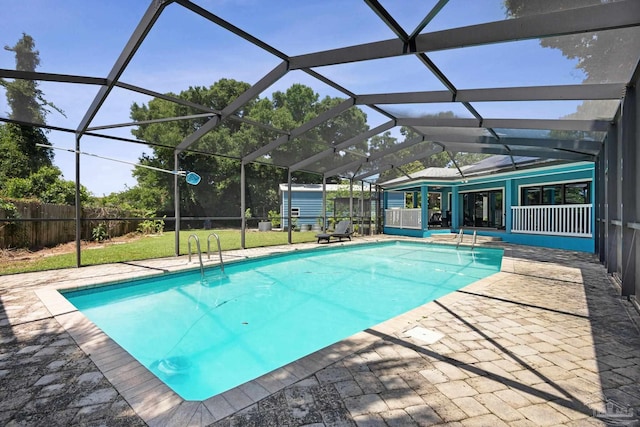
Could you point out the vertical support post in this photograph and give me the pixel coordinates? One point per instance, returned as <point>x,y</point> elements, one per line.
<point>385,205</point>
<point>370,210</point>
<point>455,208</point>
<point>599,207</point>
<point>351,201</point>
<point>593,220</point>
<point>508,203</point>
<point>289,197</point>
<point>176,202</point>
<point>361,208</point>
<point>78,206</point>
<point>424,211</point>
<point>243,205</point>
<point>324,203</point>
<point>629,200</point>
<point>610,178</point>
<point>635,117</point>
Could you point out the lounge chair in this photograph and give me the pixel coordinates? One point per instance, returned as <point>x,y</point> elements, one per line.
<point>342,231</point>
<point>436,219</point>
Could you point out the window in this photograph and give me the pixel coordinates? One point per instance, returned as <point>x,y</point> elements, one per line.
<point>295,212</point>
<point>552,194</point>
<point>531,196</point>
<point>576,193</point>
<point>556,194</point>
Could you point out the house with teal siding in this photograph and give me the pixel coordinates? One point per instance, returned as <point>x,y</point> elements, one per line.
<point>521,200</point>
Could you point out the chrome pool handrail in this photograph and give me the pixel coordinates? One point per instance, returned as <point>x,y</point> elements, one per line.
<point>460,237</point>
<point>219,249</point>
<point>199,252</point>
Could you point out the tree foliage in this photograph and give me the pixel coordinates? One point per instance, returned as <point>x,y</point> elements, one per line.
<point>46,186</point>
<point>26,100</point>
<point>20,155</point>
<point>603,56</point>
<point>26,170</point>
<point>215,157</point>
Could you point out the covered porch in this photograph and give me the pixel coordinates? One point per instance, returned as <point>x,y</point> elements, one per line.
<point>518,206</point>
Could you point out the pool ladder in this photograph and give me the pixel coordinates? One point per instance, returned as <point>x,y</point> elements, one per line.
<point>461,236</point>
<point>197,240</point>
<point>219,249</point>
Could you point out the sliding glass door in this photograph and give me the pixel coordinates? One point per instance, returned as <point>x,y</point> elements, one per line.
<point>482,209</point>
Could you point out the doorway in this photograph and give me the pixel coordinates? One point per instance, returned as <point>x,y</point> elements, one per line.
<point>482,209</point>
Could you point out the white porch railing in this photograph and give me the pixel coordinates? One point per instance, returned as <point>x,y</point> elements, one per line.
<point>557,220</point>
<point>403,218</point>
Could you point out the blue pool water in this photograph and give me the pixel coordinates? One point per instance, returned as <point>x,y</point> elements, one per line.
<point>205,337</point>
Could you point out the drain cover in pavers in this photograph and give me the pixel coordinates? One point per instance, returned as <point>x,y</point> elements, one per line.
<point>428,336</point>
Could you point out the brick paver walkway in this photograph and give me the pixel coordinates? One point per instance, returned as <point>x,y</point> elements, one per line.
<point>547,341</point>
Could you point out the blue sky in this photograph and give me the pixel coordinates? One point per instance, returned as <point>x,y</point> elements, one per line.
<point>85,37</point>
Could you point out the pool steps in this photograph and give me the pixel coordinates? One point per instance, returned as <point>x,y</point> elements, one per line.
<point>459,239</point>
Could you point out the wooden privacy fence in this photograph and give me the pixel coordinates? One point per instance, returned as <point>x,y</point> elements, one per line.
<point>43,224</point>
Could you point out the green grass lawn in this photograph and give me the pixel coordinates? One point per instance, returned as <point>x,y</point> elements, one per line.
<point>152,246</point>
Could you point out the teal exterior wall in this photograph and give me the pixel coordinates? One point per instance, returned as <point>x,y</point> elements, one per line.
<point>511,183</point>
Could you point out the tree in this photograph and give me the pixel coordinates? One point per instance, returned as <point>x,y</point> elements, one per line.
<point>27,104</point>
<point>143,198</point>
<point>215,157</point>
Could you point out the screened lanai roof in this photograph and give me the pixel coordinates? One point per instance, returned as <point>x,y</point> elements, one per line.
<point>542,79</point>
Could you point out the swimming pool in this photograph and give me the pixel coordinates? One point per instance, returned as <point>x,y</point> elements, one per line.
<point>203,337</point>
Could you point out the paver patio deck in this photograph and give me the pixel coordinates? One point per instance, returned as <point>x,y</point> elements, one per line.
<point>547,341</point>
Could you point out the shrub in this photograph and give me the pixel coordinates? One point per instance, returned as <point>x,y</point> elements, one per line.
<point>274,217</point>
<point>151,226</point>
<point>99,232</point>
